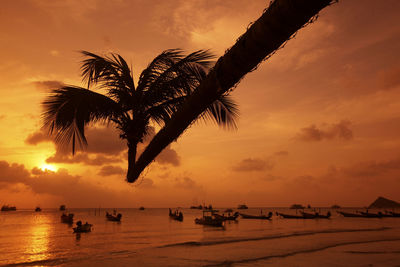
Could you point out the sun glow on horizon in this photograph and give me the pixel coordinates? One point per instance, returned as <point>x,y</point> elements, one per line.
<point>48,167</point>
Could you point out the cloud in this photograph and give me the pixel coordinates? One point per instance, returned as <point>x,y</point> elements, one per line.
<point>339,130</point>
<point>38,137</point>
<point>187,183</point>
<point>14,173</point>
<point>60,184</point>
<point>104,147</point>
<point>281,153</point>
<point>47,85</point>
<point>169,156</point>
<point>249,164</point>
<point>146,183</point>
<point>104,141</point>
<point>109,170</point>
<point>82,157</point>
<point>371,168</point>
<point>389,78</point>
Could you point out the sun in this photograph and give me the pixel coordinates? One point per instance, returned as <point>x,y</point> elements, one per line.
<point>48,167</point>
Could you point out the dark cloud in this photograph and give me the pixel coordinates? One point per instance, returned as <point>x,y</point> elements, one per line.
<point>270,178</point>
<point>60,184</point>
<point>339,130</point>
<point>146,183</point>
<point>371,168</point>
<point>84,158</point>
<point>104,141</point>
<point>104,147</point>
<point>48,85</point>
<point>187,183</point>
<point>248,165</point>
<point>281,153</point>
<point>14,173</point>
<point>389,78</point>
<point>169,156</point>
<point>38,137</point>
<point>111,170</point>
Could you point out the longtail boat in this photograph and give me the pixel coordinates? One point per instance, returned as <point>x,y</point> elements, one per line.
<point>209,219</point>
<point>260,217</point>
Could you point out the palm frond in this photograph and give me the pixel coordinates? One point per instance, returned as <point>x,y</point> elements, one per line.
<point>68,109</point>
<point>224,111</point>
<point>111,72</point>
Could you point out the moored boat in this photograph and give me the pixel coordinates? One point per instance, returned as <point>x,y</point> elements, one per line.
<point>113,217</point>
<point>348,214</point>
<point>177,215</point>
<point>82,228</point>
<point>315,215</point>
<point>67,218</point>
<point>209,219</point>
<point>199,207</point>
<point>290,216</point>
<point>141,208</point>
<point>38,209</point>
<point>368,214</point>
<point>62,207</point>
<point>228,217</point>
<point>260,217</point>
<point>394,214</point>
<point>297,206</point>
<point>8,208</point>
<point>242,207</point>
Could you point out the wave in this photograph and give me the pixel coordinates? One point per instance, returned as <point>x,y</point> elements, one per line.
<point>284,255</point>
<point>373,252</point>
<point>304,233</point>
<point>47,262</point>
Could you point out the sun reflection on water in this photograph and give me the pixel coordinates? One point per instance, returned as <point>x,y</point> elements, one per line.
<point>38,242</point>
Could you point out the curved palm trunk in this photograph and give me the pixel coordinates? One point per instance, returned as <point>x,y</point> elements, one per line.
<point>282,19</point>
<point>132,147</point>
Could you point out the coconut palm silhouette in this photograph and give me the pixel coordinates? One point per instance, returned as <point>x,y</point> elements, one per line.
<point>161,90</point>
<point>263,38</point>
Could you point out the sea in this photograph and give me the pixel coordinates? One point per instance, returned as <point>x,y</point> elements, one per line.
<point>150,238</point>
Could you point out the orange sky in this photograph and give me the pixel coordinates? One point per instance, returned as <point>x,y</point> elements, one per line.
<point>319,122</point>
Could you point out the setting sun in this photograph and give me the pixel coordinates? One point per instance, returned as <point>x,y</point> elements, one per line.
<point>48,167</point>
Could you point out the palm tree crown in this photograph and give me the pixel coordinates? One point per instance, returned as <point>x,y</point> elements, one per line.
<point>161,90</point>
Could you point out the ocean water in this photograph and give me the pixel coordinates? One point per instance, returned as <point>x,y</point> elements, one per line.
<point>151,238</point>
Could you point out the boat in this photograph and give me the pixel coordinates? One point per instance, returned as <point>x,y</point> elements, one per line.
<point>229,217</point>
<point>229,210</point>
<point>371,215</point>
<point>260,217</point>
<point>242,207</point>
<point>394,214</point>
<point>113,217</point>
<point>62,208</point>
<point>82,228</point>
<point>315,215</point>
<point>8,208</point>
<point>290,216</point>
<point>335,206</point>
<point>199,207</point>
<point>348,214</point>
<point>141,208</point>
<point>178,216</point>
<point>38,209</point>
<point>209,219</point>
<point>67,218</point>
<point>297,206</point>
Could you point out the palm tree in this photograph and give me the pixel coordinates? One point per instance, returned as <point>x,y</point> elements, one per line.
<point>277,24</point>
<point>161,90</point>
